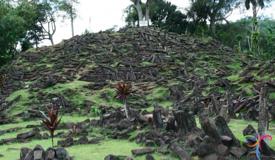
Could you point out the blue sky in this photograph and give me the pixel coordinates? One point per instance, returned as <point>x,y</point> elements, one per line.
<point>96,15</point>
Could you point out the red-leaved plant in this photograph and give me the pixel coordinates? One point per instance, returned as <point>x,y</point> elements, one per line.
<point>123,90</point>
<point>52,121</point>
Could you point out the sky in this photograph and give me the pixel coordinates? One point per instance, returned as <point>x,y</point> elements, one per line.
<point>97,15</point>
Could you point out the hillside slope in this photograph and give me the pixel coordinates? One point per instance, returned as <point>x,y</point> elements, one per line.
<point>164,68</point>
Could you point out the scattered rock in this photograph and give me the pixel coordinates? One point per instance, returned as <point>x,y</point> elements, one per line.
<point>67,142</point>
<point>237,151</point>
<point>149,157</point>
<point>211,157</point>
<point>83,140</point>
<point>114,157</point>
<point>50,154</point>
<point>27,135</point>
<point>142,151</point>
<point>180,152</point>
<point>62,154</point>
<point>38,153</point>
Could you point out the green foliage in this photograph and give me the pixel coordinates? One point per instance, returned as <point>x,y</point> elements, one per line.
<point>12,28</point>
<point>212,11</point>
<point>52,121</point>
<point>237,35</point>
<point>260,3</point>
<point>163,15</point>
<point>95,111</point>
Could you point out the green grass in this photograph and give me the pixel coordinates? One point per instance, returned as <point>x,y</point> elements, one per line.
<point>272,96</point>
<point>66,118</point>
<point>18,106</point>
<point>82,152</point>
<point>247,88</point>
<point>12,151</point>
<point>158,95</point>
<point>107,146</point>
<point>233,78</point>
<point>235,66</point>
<point>237,127</point>
<point>59,88</point>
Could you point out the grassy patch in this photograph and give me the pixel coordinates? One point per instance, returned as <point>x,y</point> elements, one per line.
<point>272,96</point>
<point>82,152</point>
<point>19,105</point>
<point>234,66</point>
<point>237,127</point>
<point>160,96</point>
<point>233,78</point>
<point>59,88</point>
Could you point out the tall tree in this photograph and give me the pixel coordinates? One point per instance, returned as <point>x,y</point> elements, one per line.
<point>138,7</point>
<point>50,9</point>
<point>162,14</point>
<point>147,11</point>
<point>68,6</point>
<point>256,4</point>
<point>15,21</point>
<point>211,11</point>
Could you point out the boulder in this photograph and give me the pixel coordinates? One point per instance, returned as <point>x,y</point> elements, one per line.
<point>62,154</point>
<point>67,142</point>
<point>149,157</point>
<point>38,153</point>
<point>142,151</point>
<point>27,135</point>
<point>50,154</point>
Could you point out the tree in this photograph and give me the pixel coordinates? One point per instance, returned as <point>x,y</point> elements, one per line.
<point>15,21</point>
<point>165,15</point>
<point>147,11</point>
<point>137,6</point>
<point>162,14</point>
<point>212,11</point>
<point>256,4</point>
<point>70,11</point>
<point>49,8</point>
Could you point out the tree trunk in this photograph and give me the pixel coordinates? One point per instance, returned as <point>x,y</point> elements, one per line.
<point>263,116</point>
<point>72,21</point>
<point>147,14</point>
<point>72,25</point>
<point>126,109</point>
<point>254,40</point>
<point>139,10</point>
<point>213,27</point>
<point>254,8</point>
<point>51,39</point>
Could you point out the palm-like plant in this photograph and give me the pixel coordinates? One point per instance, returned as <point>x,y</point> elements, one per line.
<point>255,5</point>
<point>51,121</point>
<point>123,90</point>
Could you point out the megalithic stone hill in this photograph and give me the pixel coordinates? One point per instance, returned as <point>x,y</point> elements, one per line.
<point>163,67</point>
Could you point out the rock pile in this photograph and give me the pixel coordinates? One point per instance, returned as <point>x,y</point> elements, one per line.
<point>38,153</point>
<point>139,55</point>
